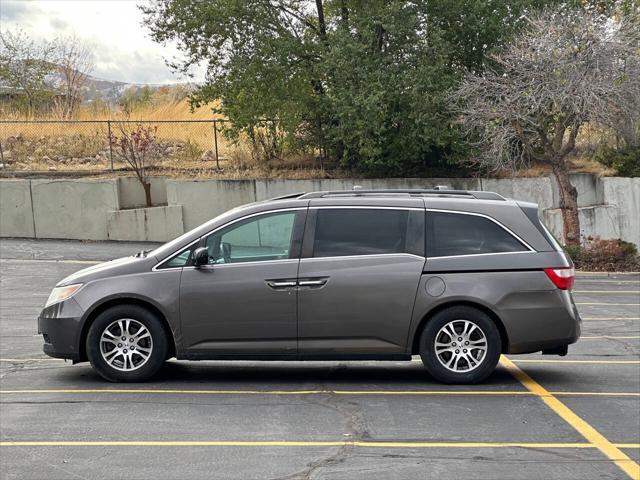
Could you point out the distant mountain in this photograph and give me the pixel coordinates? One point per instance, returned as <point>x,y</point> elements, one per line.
<point>108,91</point>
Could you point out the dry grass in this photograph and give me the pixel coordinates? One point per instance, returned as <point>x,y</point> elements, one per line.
<point>84,147</point>
<point>94,124</point>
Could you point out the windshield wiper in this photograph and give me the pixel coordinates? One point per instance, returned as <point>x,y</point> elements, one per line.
<point>142,253</point>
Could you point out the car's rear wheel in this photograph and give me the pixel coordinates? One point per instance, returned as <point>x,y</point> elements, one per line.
<point>460,345</point>
<point>126,343</point>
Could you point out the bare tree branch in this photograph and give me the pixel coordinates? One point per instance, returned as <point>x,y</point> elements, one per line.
<point>569,68</point>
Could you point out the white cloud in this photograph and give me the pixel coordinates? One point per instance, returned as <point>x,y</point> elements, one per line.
<point>123,49</point>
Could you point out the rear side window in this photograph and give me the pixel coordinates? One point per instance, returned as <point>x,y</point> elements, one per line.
<point>342,232</point>
<point>452,234</point>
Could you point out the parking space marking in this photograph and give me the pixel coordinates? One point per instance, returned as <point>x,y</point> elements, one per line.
<point>610,318</point>
<point>626,464</point>
<point>610,304</point>
<point>310,392</point>
<point>293,443</point>
<point>584,279</point>
<point>611,292</point>
<point>610,337</point>
<point>34,260</point>
<point>597,362</point>
<point>23,360</point>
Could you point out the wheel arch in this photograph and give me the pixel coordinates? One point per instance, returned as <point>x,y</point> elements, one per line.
<point>97,310</point>
<point>504,338</point>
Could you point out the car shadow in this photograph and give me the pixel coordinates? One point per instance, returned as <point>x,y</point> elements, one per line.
<point>293,375</point>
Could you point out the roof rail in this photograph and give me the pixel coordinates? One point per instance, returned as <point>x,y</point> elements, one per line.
<point>411,192</point>
<point>287,196</point>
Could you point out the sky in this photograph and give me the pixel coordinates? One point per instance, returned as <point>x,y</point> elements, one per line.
<point>123,49</point>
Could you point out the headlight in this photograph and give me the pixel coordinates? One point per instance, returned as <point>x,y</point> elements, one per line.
<point>59,294</point>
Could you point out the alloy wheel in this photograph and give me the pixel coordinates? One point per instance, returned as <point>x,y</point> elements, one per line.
<point>461,346</point>
<point>126,344</point>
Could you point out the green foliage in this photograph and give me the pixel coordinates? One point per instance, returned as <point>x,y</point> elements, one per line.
<point>625,161</point>
<point>135,97</point>
<point>24,66</point>
<point>359,82</point>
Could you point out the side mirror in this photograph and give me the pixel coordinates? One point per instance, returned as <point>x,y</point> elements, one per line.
<point>201,256</point>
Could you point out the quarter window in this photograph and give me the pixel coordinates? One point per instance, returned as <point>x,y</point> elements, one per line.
<point>451,234</point>
<point>267,237</point>
<point>341,232</point>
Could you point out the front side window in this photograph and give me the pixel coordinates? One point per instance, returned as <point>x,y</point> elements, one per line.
<point>452,234</point>
<point>266,237</point>
<point>342,232</point>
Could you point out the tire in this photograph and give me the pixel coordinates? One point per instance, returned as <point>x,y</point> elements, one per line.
<point>118,360</point>
<point>473,364</point>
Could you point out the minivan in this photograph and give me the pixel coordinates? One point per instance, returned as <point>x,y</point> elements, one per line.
<point>456,277</point>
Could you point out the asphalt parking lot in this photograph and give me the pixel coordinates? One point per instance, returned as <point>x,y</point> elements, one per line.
<point>536,417</point>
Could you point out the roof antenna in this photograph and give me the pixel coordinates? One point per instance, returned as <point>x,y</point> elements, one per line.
<point>357,187</point>
<point>442,187</point>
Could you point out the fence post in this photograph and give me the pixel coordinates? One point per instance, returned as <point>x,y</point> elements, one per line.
<point>215,143</point>
<point>110,149</point>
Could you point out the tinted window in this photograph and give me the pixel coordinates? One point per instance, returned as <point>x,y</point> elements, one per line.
<point>459,234</point>
<point>341,232</point>
<point>267,237</point>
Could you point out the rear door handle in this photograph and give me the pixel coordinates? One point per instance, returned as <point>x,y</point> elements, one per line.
<point>315,282</point>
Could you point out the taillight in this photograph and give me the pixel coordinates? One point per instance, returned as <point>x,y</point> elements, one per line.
<point>561,277</point>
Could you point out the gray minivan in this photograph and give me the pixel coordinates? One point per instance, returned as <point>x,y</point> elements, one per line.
<point>458,277</point>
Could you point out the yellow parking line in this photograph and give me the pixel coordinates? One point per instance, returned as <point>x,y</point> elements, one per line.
<point>596,362</point>
<point>596,280</point>
<point>269,392</point>
<point>609,318</point>
<point>288,443</point>
<point>309,392</point>
<point>613,292</point>
<point>34,260</point>
<point>611,337</point>
<point>606,319</point>
<point>18,360</point>
<point>630,467</point>
<point>610,304</point>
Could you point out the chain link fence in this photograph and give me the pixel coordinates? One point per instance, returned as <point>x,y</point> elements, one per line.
<point>85,145</point>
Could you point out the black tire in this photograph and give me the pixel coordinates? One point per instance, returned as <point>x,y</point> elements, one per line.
<point>155,359</point>
<point>487,363</point>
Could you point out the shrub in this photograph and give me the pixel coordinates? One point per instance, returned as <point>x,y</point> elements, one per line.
<point>604,255</point>
<point>625,161</point>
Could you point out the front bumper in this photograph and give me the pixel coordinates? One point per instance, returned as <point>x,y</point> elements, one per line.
<point>61,326</point>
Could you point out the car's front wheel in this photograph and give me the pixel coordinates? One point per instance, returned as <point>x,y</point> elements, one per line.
<point>460,345</point>
<point>126,343</point>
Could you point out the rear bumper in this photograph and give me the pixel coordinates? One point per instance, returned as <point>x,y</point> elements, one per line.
<point>60,326</point>
<point>545,321</point>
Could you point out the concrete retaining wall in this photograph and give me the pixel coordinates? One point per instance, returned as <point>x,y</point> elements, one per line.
<point>86,209</point>
<point>203,200</point>
<point>16,209</point>
<point>155,224</point>
<point>73,208</point>
<point>131,193</point>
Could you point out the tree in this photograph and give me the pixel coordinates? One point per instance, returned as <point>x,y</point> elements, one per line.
<point>137,146</point>
<point>569,68</point>
<point>24,66</point>
<point>361,82</point>
<point>75,62</point>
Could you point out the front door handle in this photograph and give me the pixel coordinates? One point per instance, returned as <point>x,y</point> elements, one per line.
<point>281,284</point>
